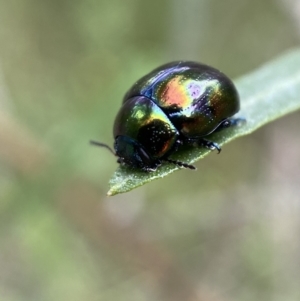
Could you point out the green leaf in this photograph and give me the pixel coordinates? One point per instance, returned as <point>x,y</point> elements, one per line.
<point>266,94</point>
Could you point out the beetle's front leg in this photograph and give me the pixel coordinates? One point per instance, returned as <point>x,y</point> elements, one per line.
<point>209,144</point>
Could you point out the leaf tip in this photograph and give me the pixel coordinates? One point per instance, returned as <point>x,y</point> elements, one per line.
<point>110,192</point>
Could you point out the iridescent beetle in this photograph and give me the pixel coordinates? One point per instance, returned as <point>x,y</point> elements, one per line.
<point>175,104</point>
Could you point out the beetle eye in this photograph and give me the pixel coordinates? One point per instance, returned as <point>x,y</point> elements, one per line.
<point>132,153</point>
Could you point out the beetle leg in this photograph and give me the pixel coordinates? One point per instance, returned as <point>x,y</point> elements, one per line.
<point>153,167</point>
<point>180,164</point>
<point>209,144</point>
<point>229,122</point>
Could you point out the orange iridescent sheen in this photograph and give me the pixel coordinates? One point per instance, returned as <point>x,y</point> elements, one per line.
<point>176,93</point>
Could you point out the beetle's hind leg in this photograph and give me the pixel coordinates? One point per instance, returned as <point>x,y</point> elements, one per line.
<point>229,122</point>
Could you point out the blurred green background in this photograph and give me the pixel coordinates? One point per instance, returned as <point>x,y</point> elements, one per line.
<point>229,231</point>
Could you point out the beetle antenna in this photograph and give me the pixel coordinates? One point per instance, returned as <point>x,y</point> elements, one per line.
<point>102,145</point>
<point>181,164</point>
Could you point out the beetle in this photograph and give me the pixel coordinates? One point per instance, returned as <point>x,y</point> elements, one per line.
<point>176,104</point>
